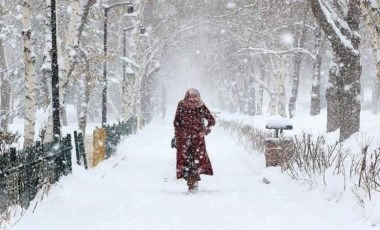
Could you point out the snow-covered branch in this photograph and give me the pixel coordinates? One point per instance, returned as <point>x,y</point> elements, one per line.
<point>238,10</point>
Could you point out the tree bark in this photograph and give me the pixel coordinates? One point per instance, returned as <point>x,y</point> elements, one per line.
<point>351,72</point>
<point>87,94</point>
<point>297,67</point>
<point>261,92</point>
<point>5,103</point>
<point>315,107</point>
<point>251,99</point>
<point>375,96</point>
<point>371,14</point>
<point>30,84</point>
<point>295,85</point>
<point>281,101</point>
<point>5,89</point>
<point>46,66</point>
<point>345,40</point>
<point>332,97</point>
<point>127,94</point>
<point>78,18</point>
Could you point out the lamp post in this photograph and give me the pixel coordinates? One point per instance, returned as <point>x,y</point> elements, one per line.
<point>55,76</point>
<point>105,49</point>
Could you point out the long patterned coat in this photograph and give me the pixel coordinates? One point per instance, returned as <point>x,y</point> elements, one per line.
<point>188,124</point>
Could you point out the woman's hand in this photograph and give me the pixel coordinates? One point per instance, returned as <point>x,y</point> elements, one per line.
<point>205,132</point>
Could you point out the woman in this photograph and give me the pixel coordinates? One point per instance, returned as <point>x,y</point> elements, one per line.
<point>192,158</point>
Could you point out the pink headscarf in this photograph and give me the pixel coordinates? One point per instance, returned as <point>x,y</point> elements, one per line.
<point>192,99</point>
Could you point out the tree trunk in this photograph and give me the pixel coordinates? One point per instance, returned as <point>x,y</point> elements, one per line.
<point>371,15</point>
<point>295,85</point>
<point>127,94</point>
<point>12,113</point>
<point>350,73</point>
<point>78,18</point>
<point>84,105</point>
<point>272,104</point>
<point>46,66</point>
<point>5,90</point>
<point>349,99</point>
<point>261,92</point>
<point>88,87</point>
<point>378,84</point>
<point>332,97</point>
<point>71,43</point>
<point>375,96</point>
<point>251,99</point>
<point>281,101</point>
<point>30,84</point>
<point>315,107</point>
<point>348,56</point>
<point>5,103</point>
<point>46,133</point>
<point>297,67</point>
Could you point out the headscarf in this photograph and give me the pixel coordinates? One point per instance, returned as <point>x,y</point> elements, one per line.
<point>192,99</point>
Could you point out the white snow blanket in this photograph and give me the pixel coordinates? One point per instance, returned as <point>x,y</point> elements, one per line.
<point>137,190</point>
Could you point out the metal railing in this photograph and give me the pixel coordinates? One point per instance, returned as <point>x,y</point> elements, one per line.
<point>24,172</point>
<point>104,141</point>
<point>115,132</point>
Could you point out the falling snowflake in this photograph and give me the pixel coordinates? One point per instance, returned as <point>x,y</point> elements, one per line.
<point>287,38</point>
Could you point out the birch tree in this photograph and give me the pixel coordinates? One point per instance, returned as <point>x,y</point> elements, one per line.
<point>88,86</point>
<point>260,97</point>
<point>5,87</point>
<point>4,79</point>
<point>5,102</point>
<point>46,65</point>
<point>78,17</point>
<point>297,66</point>
<point>29,61</point>
<point>281,102</point>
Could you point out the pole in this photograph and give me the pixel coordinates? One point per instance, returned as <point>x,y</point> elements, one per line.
<point>55,74</point>
<point>104,93</point>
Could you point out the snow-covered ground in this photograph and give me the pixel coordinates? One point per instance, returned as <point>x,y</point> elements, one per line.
<point>137,189</point>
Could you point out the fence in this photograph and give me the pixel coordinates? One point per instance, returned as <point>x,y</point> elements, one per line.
<point>104,141</point>
<point>115,132</point>
<point>24,172</point>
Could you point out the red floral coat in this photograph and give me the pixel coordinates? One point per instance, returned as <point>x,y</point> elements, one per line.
<point>188,124</point>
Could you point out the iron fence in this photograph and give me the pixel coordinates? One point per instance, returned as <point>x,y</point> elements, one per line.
<point>24,172</point>
<point>115,132</point>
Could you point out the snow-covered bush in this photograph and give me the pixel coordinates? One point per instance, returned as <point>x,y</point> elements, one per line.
<point>319,163</point>
<point>7,139</point>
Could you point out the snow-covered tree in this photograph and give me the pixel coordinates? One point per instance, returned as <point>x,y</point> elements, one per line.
<point>315,105</point>
<point>371,13</point>
<point>340,23</point>
<point>30,84</point>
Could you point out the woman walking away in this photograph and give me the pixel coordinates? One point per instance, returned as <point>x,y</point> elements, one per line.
<point>190,131</point>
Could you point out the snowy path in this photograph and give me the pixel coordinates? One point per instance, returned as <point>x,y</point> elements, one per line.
<point>137,190</point>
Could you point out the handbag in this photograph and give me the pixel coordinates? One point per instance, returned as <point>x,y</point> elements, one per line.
<point>174,143</point>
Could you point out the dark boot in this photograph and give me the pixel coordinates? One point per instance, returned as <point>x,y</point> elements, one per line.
<point>190,183</point>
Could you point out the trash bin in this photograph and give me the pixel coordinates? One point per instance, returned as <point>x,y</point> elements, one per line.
<point>278,149</point>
